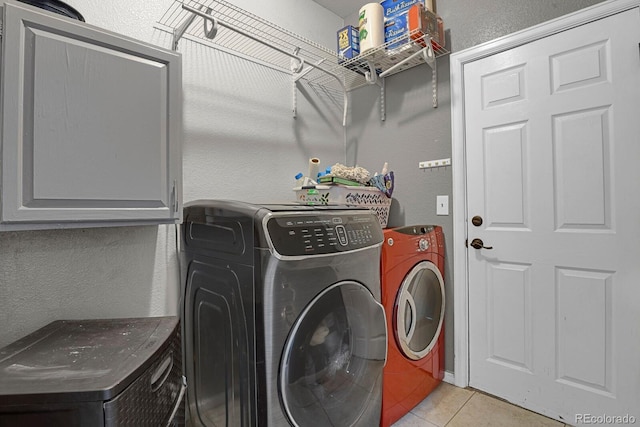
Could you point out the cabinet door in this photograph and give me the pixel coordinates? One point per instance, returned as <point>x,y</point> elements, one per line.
<point>91,124</point>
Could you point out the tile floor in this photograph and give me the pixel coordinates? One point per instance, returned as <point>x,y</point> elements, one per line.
<point>452,406</point>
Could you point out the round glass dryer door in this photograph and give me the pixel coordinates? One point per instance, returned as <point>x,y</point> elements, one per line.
<point>419,310</point>
<point>331,369</point>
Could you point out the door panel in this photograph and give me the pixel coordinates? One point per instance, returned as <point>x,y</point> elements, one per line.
<point>504,151</point>
<point>551,140</point>
<point>583,177</point>
<point>503,87</point>
<point>509,309</point>
<point>584,328</point>
<point>579,67</point>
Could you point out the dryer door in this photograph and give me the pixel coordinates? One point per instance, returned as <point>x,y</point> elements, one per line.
<point>331,370</point>
<point>419,310</point>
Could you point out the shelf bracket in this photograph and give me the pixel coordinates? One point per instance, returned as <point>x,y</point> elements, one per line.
<point>383,111</point>
<point>428,55</point>
<point>297,70</point>
<point>430,58</point>
<point>179,31</point>
<point>297,65</point>
<point>371,75</point>
<point>372,78</point>
<point>294,97</point>
<point>434,85</point>
<point>209,33</point>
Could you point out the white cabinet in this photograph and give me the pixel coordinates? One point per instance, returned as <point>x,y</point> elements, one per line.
<point>91,125</point>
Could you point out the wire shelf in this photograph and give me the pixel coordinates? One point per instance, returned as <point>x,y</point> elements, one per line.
<point>221,25</point>
<point>229,39</point>
<point>412,50</point>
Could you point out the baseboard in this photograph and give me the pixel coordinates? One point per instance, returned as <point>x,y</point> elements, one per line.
<point>449,377</point>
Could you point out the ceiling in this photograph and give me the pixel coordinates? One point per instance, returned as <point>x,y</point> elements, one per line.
<point>342,8</point>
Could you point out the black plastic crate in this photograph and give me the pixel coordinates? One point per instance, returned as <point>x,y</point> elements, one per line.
<point>106,372</point>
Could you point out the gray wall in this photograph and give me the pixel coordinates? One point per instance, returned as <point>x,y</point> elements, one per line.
<point>240,142</point>
<point>414,131</point>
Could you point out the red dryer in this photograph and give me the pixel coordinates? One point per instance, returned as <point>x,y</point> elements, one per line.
<point>413,299</point>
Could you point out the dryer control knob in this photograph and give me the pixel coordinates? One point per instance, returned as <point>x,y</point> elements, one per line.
<point>424,244</point>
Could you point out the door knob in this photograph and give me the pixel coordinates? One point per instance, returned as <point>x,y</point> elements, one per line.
<point>479,244</point>
<point>476,220</point>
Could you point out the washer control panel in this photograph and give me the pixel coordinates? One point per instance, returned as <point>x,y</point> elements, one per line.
<point>329,233</point>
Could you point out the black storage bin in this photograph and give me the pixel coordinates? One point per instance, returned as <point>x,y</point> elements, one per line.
<point>107,372</point>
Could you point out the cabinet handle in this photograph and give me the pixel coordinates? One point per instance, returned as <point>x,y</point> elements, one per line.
<point>175,196</point>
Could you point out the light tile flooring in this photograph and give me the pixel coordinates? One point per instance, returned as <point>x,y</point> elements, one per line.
<point>452,406</point>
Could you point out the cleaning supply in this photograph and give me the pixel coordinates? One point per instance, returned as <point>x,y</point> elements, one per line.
<point>396,35</point>
<point>330,179</point>
<point>355,173</point>
<point>383,181</point>
<point>348,43</point>
<point>371,26</point>
<point>422,24</point>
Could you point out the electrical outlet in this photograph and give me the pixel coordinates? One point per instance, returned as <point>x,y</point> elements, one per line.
<point>442,205</point>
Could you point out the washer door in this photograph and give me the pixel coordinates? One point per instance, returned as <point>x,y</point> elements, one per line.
<point>419,310</point>
<point>331,369</point>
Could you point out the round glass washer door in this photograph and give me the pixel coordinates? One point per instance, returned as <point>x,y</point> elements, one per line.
<point>419,310</point>
<point>331,369</point>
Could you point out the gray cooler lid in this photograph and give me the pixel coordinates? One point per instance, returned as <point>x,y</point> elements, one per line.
<point>81,360</point>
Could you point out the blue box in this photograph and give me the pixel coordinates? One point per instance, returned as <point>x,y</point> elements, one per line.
<point>395,21</point>
<point>348,43</point>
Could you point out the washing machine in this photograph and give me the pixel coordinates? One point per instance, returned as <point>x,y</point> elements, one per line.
<point>282,318</point>
<point>413,298</point>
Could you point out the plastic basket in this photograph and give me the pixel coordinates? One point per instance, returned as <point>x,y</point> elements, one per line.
<point>369,197</point>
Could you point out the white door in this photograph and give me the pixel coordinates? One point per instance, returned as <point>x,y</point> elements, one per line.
<point>552,134</point>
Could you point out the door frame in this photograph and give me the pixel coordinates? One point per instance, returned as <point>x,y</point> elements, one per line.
<point>457,62</point>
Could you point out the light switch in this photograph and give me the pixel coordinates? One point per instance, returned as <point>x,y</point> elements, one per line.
<point>442,205</point>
